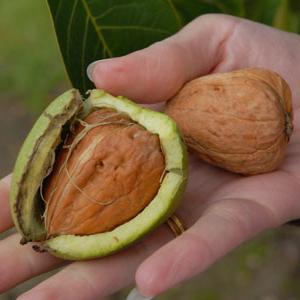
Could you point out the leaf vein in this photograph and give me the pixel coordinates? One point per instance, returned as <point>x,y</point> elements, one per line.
<point>133,27</point>
<point>83,76</point>
<point>69,31</point>
<point>175,12</point>
<point>111,9</point>
<point>57,11</point>
<point>96,27</point>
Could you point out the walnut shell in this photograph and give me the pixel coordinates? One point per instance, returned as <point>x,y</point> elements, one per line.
<point>240,121</point>
<point>61,211</point>
<point>111,175</point>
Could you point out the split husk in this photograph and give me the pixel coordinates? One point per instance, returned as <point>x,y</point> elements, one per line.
<point>39,154</point>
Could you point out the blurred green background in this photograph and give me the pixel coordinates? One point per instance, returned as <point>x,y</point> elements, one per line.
<point>32,73</point>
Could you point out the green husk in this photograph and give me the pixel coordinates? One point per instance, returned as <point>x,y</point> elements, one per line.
<point>36,159</point>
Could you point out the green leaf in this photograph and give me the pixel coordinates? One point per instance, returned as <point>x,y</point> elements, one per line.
<point>294,10</point>
<point>282,14</point>
<point>282,17</point>
<point>191,9</point>
<point>88,30</point>
<point>31,68</point>
<point>263,11</point>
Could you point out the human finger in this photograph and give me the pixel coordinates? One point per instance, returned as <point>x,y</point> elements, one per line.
<point>5,216</point>
<point>22,258</point>
<point>156,73</point>
<point>98,278</point>
<point>236,214</point>
<point>209,44</point>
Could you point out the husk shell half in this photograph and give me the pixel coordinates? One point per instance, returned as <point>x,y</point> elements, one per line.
<point>26,206</point>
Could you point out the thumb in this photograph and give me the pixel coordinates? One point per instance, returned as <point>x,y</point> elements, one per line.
<point>156,73</point>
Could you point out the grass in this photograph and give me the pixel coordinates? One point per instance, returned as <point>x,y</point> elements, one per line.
<point>30,62</point>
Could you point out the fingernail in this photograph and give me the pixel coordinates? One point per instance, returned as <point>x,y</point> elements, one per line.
<point>90,68</point>
<point>135,295</point>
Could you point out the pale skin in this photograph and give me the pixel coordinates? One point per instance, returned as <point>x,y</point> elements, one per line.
<point>221,210</point>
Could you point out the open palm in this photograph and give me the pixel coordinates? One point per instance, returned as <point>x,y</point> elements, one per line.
<point>220,209</point>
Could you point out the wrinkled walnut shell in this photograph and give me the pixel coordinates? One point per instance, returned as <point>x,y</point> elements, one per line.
<point>240,121</point>
<point>106,179</point>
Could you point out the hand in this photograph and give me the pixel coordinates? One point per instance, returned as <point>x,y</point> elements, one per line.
<point>220,209</point>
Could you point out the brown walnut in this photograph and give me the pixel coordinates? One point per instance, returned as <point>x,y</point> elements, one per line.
<point>240,121</point>
<point>108,170</point>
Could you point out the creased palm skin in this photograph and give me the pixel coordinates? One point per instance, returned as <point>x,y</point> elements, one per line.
<point>221,209</point>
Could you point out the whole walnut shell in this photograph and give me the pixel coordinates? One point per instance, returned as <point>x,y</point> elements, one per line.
<point>240,121</point>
